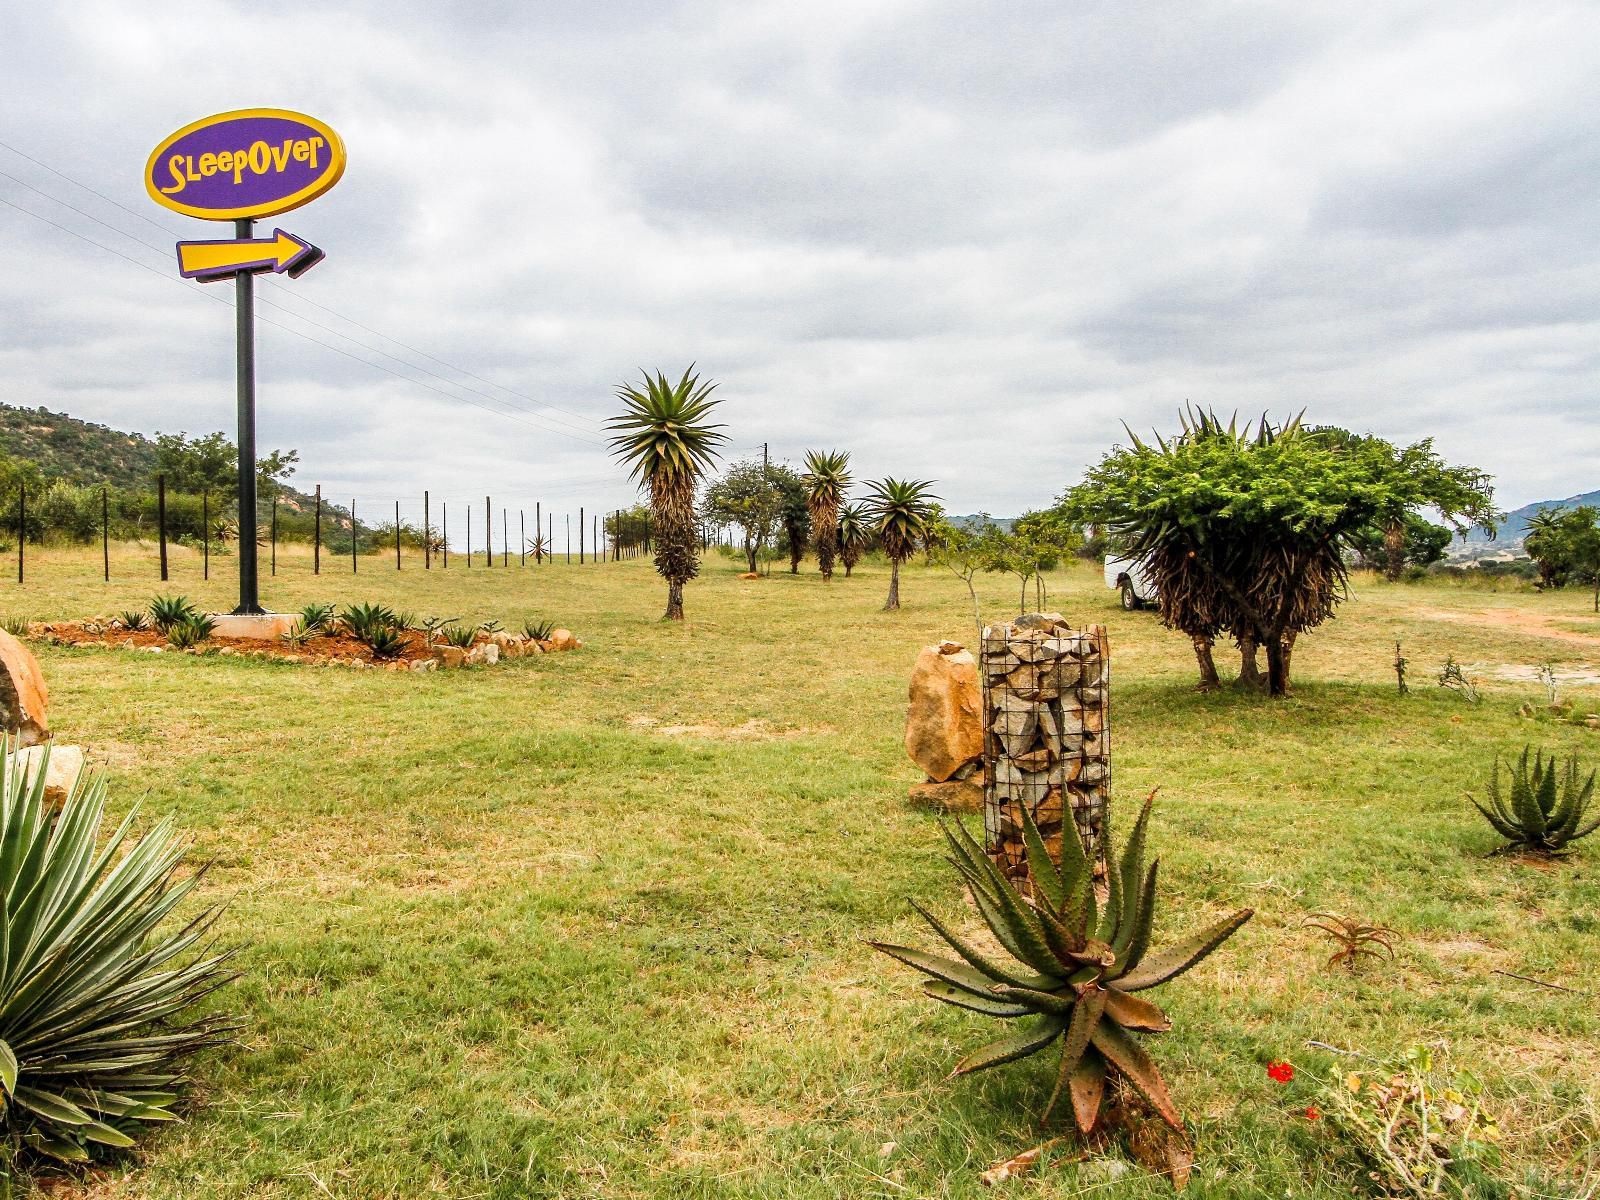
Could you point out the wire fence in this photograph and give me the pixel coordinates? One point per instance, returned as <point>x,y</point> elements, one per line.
<point>423,532</point>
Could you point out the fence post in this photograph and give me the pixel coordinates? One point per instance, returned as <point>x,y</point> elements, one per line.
<point>580,535</point>
<point>522,528</point>
<point>444,530</point>
<point>274,567</point>
<point>354,568</point>
<point>550,547</point>
<point>469,537</point>
<point>316,537</point>
<point>505,539</point>
<point>538,533</point>
<point>427,534</point>
<point>205,534</point>
<point>599,546</point>
<point>105,529</point>
<point>22,526</point>
<point>569,539</point>
<point>397,535</point>
<point>488,533</point>
<point>161,521</point>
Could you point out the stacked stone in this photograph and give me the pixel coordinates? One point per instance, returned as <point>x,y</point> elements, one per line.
<point>1046,741</point>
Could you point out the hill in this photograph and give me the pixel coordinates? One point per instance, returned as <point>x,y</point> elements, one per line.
<point>64,447</point>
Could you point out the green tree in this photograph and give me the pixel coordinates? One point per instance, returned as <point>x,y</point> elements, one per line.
<point>665,439</point>
<point>1565,545</point>
<point>899,509</point>
<point>211,464</point>
<point>1244,530</point>
<point>855,535</point>
<point>796,521</point>
<point>827,478</point>
<point>751,495</point>
<point>1037,543</point>
<point>1422,543</point>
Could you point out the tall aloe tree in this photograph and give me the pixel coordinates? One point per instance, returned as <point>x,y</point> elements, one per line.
<point>855,534</point>
<point>665,439</point>
<point>900,510</point>
<point>827,478</point>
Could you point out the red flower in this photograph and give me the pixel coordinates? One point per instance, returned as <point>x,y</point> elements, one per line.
<point>1282,1072</point>
<point>1313,1113</point>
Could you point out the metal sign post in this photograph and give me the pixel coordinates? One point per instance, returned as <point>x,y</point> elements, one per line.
<point>238,166</point>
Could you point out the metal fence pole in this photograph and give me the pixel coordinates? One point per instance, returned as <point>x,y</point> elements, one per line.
<point>469,537</point>
<point>354,568</point>
<point>488,533</point>
<point>444,531</point>
<point>105,529</point>
<point>22,527</point>
<point>538,533</point>
<point>161,521</point>
<point>427,534</point>
<point>205,534</point>
<point>397,535</point>
<point>580,535</point>
<point>316,537</point>
<point>274,567</point>
<point>522,528</point>
<point>505,539</point>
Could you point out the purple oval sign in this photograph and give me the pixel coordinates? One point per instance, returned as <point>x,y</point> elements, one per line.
<point>252,163</point>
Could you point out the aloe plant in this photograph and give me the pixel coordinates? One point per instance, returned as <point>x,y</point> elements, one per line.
<point>133,620</point>
<point>1544,809</point>
<point>167,611</point>
<point>538,631</point>
<point>315,619</point>
<point>97,1003</point>
<point>362,619</point>
<point>459,636</point>
<point>1070,969</point>
<point>385,642</point>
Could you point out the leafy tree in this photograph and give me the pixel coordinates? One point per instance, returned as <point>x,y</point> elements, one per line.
<point>827,478</point>
<point>1565,544</point>
<point>627,527</point>
<point>1036,544</point>
<point>211,464</point>
<point>664,438</point>
<point>751,495</point>
<point>966,550</point>
<point>1244,530</point>
<point>899,509</point>
<point>1422,544</point>
<point>796,520</point>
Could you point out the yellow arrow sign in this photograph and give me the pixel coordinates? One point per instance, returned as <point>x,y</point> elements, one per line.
<point>280,253</point>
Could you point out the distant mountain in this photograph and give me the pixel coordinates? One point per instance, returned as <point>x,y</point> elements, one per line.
<point>1507,542</point>
<point>979,520</point>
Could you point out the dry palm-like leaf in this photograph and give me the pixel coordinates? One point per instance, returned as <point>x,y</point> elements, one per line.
<point>1069,969</point>
<point>826,479</point>
<point>1356,938</point>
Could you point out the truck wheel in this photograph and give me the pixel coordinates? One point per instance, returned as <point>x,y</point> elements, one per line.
<point>1130,598</point>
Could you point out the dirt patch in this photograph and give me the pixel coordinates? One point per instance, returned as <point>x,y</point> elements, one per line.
<point>1581,676</point>
<point>1533,624</point>
<point>754,730</point>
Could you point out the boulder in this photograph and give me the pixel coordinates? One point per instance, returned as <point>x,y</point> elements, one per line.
<point>424,664</point>
<point>562,639</point>
<point>750,575</point>
<point>944,724</point>
<point>23,696</point>
<point>60,773</point>
<point>953,796</point>
<point>451,656</point>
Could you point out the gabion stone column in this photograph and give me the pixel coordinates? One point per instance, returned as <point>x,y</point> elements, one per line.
<point>1046,743</point>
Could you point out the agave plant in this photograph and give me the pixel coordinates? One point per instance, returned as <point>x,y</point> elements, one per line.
<point>385,642</point>
<point>167,611</point>
<point>133,620</point>
<point>16,626</point>
<point>667,442</point>
<point>459,636</point>
<point>827,478</point>
<point>1544,809</point>
<point>97,1008</point>
<point>1072,971</point>
<point>191,631</point>
<point>854,536</point>
<point>316,618</point>
<point>538,631</point>
<point>361,620</point>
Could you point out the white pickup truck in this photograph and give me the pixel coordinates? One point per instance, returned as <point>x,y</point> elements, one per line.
<point>1124,575</point>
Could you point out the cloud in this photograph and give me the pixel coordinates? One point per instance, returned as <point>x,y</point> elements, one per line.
<point>965,243</point>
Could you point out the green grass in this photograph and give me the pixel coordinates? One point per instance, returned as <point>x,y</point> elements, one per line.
<point>590,924</point>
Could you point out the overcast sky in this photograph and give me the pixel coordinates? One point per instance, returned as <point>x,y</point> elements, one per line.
<point>963,241</point>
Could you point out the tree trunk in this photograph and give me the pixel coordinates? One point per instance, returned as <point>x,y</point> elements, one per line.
<point>750,553</point>
<point>1208,665</point>
<point>1277,667</point>
<point>674,601</point>
<point>892,604</point>
<point>1394,551</point>
<point>1249,668</point>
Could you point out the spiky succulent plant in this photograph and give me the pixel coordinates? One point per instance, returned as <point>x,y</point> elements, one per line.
<point>1072,971</point>
<point>1545,806</point>
<point>167,611</point>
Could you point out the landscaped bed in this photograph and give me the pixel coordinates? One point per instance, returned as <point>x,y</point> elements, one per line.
<point>414,649</point>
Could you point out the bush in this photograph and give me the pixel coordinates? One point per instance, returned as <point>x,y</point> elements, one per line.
<point>97,1010</point>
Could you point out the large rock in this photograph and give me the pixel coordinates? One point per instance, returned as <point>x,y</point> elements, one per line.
<point>955,796</point>
<point>60,773</point>
<point>23,696</point>
<point>944,725</point>
<point>562,639</point>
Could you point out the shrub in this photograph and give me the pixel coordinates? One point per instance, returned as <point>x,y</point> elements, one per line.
<point>1355,938</point>
<point>316,619</point>
<point>1072,973</point>
<point>193,630</point>
<point>1541,812</point>
<point>97,1009</point>
<point>167,611</point>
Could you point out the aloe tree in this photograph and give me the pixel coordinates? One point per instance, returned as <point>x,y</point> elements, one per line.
<point>899,511</point>
<point>664,438</point>
<point>855,534</point>
<point>827,478</point>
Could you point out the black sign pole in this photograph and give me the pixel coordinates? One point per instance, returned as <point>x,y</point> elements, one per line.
<point>245,326</point>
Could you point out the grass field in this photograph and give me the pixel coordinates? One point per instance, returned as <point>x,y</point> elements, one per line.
<point>590,924</point>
